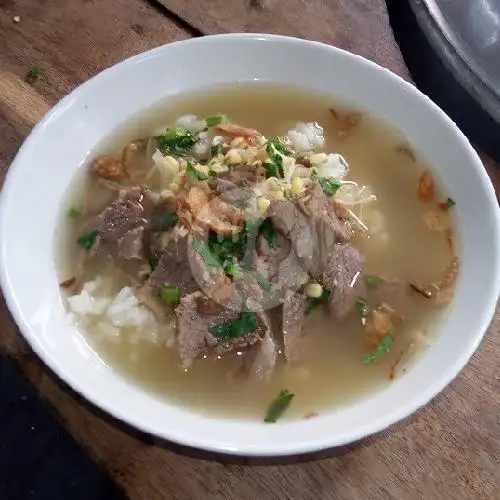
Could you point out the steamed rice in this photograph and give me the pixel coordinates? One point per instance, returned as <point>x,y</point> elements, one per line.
<point>119,317</point>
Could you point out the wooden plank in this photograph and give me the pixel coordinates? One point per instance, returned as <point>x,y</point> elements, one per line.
<point>449,450</point>
<point>72,41</point>
<point>360,26</point>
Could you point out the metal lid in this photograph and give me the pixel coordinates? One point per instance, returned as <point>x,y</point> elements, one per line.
<point>466,34</point>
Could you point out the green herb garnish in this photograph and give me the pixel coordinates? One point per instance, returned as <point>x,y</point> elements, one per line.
<point>169,221</point>
<point>230,249</point>
<point>175,141</point>
<point>314,302</point>
<point>261,280</point>
<point>363,307</point>
<point>247,323</point>
<point>208,257</point>
<point>278,406</point>
<point>271,169</point>
<point>87,240</point>
<point>211,121</point>
<point>372,280</point>
<point>270,233</point>
<point>74,213</point>
<point>227,247</point>
<point>449,203</point>
<point>232,269</point>
<point>194,173</point>
<point>278,146</point>
<point>275,150</point>
<point>251,227</point>
<point>218,149</point>
<point>33,74</point>
<point>330,185</point>
<point>384,346</point>
<point>170,293</point>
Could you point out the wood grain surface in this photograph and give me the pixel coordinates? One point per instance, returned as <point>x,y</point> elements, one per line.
<point>360,26</point>
<point>448,450</point>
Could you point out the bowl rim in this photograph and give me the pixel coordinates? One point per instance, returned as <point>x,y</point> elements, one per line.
<point>314,444</point>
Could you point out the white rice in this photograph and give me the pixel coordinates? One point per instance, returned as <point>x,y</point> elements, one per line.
<point>119,318</point>
<point>333,165</point>
<point>202,148</point>
<point>306,137</point>
<point>125,310</point>
<point>85,303</point>
<point>192,123</point>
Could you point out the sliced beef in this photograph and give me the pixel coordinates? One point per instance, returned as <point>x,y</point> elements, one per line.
<point>318,205</point>
<point>162,215</point>
<point>123,215</point>
<point>288,219</point>
<point>312,226</point>
<point>279,252</point>
<point>174,268</point>
<point>282,268</point>
<point>249,290</point>
<point>182,267</point>
<point>122,224</point>
<point>294,308</point>
<point>163,218</point>
<point>130,245</point>
<point>244,175</point>
<point>328,228</point>
<point>194,337</point>
<point>223,291</point>
<point>260,361</point>
<point>233,194</point>
<point>154,243</point>
<point>344,278</point>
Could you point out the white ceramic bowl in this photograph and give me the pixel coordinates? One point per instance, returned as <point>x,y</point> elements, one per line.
<point>60,144</point>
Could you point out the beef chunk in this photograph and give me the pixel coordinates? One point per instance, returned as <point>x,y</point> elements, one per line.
<point>318,205</point>
<point>288,219</point>
<point>282,268</point>
<point>130,245</point>
<point>123,215</point>
<point>312,226</point>
<point>249,290</point>
<point>122,224</point>
<point>206,306</point>
<point>344,278</point>
<point>194,337</point>
<point>244,175</point>
<point>174,268</point>
<point>279,252</point>
<point>260,361</point>
<point>294,308</point>
<point>181,266</point>
<point>223,291</point>
<point>162,216</point>
<point>328,229</point>
<point>233,194</point>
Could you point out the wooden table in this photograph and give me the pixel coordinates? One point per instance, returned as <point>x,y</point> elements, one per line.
<point>448,450</point>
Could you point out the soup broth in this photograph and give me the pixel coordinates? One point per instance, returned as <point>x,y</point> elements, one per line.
<point>393,236</point>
